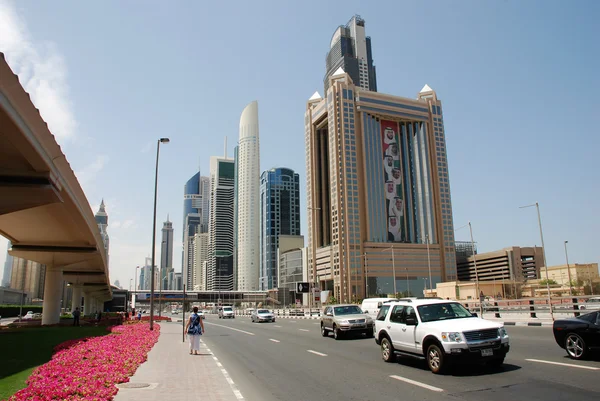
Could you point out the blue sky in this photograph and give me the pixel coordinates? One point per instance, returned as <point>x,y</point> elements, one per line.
<point>518,81</point>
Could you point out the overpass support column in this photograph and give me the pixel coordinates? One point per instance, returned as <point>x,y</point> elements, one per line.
<point>52,296</point>
<point>87,303</point>
<point>77,293</point>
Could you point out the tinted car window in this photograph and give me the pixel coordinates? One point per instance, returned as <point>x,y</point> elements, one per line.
<point>590,317</point>
<point>383,312</point>
<point>397,315</point>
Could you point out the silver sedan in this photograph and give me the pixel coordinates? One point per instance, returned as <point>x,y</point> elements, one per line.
<point>262,315</point>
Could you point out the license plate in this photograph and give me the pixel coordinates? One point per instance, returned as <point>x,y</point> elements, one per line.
<point>487,352</point>
<point>360,326</point>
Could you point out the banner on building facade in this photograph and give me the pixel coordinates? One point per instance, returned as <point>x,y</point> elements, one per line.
<point>394,187</point>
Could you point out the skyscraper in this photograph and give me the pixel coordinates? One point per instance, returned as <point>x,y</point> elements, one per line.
<point>247,202</point>
<point>28,276</point>
<point>196,211</point>
<point>166,254</point>
<point>6,275</point>
<point>350,49</point>
<point>200,259</point>
<point>220,274</point>
<point>102,221</point>
<point>378,191</point>
<point>279,215</point>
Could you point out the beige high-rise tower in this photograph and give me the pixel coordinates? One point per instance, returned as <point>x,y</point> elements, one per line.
<point>378,192</point>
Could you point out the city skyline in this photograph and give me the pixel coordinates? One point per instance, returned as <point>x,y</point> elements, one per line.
<point>492,67</point>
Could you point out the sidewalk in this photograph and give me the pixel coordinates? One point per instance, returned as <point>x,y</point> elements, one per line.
<point>170,373</point>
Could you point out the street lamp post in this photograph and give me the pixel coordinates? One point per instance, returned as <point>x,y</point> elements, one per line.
<point>429,264</point>
<point>366,276</point>
<point>407,283</point>
<point>394,271</point>
<point>476,272</point>
<point>314,257</point>
<point>134,288</point>
<point>568,270</point>
<point>161,140</point>
<point>537,206</point>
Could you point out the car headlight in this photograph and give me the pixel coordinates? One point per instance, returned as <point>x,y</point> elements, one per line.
<point>502,332</point>
<point>344,322</point>
<point>452,337</point>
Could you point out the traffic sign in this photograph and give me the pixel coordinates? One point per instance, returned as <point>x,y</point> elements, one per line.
<point>302,287</point>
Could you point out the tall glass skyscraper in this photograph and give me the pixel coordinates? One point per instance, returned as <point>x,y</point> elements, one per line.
<point>279,215</point>
<point>247,202</point>
<point>196,211</point>
<point>166,254</point>
<point>350,50</point>
<point>102,221</point>
<point>219,271</point>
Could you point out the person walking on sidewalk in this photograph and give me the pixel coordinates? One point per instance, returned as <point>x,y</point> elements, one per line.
<point>194,329</point>
<point>76,313</point>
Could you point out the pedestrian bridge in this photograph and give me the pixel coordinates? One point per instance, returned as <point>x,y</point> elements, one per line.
<point>43,210</point>
<point>201,296</point>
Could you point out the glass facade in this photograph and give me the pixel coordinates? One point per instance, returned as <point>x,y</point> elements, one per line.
<point>279,215</point>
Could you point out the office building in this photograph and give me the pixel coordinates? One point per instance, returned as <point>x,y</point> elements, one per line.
<point>220,273</point>
<point>7,273</point>
<point>166,253</point>
<point>378,191</point>
<point>146,276</point>
<point>178,281</point>
<point>247,202</point>
<point>290,268</point>
<point>29,277</point>
<point>350,49</point>
<point>581,274</point>
<point>102,221</point>
<point>196,211</point>
<point>279,215</point>
<point>513,263</point>
<point>200,260</point>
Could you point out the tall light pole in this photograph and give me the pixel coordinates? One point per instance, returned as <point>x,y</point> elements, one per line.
<point>537,206</point>
<point>476,272</point>
<point>366,276</point>
<point>407,283</point>
<point>161,140</point>
<point>134,288</point>
<point>393,271</point>
<point>429,264</point>
<point>568,270</point>
<point>314,256</point>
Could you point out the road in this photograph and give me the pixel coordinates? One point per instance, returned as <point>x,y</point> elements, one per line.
<point>289,360</point>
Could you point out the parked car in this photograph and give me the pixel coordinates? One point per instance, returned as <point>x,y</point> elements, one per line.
<point>262,315</point>
<point>342,319</point>
<point>579,336</point>
<point>201,314</point>
<point>440,332</point>
<point>28,316</point>
<point>371,306</point>
<point>591,304</point>
<point>226,312</point>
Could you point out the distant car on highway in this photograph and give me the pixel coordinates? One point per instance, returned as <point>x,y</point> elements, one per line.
<point>201,314</point>
<point>591,304</point>
<point>579,336</point>
<point>226,312</point>
<point>342,319</point>
<point>262,315</point>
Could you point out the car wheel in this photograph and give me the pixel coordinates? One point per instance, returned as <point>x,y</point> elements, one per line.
<point>387,350</point>
<point>435,359</point>
<point>575,346</point>
<point>337,333</point>
<point>324,331</point>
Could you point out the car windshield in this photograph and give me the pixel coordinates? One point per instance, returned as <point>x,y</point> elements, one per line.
<point>442,311</point>
<point>227,309</point>
<point>347,310</point>
<point>262,311</point>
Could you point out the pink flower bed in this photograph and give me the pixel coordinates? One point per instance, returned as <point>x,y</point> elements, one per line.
<point>89,368</point>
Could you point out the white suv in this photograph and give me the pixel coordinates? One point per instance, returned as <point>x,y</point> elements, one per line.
<point>441,332</point>
<point>226,312</point>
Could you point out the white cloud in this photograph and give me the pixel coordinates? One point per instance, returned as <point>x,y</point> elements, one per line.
<point>41,70</point>
<point>89,172</point>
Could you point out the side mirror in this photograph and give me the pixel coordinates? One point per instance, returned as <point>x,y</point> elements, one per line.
<point>411,321</point>
<point>365,311</point>
<point>474,314</point>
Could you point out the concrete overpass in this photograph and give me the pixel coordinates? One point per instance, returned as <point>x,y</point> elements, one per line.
<point>43,210</point>
<point>143,296</point>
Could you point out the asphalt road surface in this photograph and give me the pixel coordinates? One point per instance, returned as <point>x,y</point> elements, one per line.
<point>289,360</point>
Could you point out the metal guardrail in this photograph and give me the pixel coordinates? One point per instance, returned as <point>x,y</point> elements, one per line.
<point>529,308</point>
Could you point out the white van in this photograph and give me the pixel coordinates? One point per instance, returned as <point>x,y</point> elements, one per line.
<point>370,306</point>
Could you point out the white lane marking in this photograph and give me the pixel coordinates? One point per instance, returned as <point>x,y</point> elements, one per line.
<point>277,326</point>
<point>303,330</point>
<point>231,328</point>
<point>274,340</point>
<point>236,391</point>
<point>416,383</point>
<point>293,321</point>
<point>563,364</point>
<point>315,352</point>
